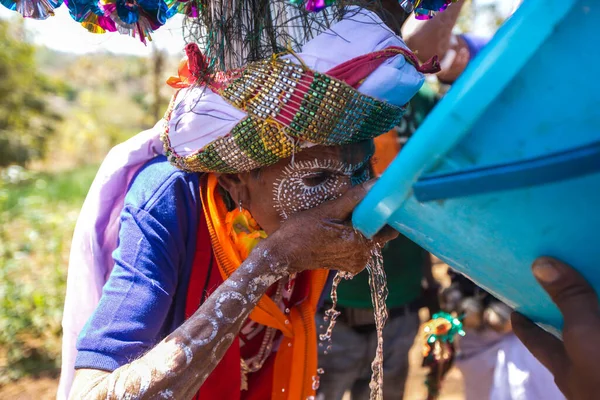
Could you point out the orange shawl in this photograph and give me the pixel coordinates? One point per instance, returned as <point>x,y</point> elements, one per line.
<point>295,364</point>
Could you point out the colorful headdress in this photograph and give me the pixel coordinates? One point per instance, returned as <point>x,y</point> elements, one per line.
<point>273,108</point>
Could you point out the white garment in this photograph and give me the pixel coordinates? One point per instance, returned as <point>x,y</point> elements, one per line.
<point>499,367</point>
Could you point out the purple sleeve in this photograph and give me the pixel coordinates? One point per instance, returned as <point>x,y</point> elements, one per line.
<point>137,307</point>
<point>475,43</point>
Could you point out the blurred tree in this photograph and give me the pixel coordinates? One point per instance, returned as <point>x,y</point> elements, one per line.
<point>26,119</point>
<point>158,64</point>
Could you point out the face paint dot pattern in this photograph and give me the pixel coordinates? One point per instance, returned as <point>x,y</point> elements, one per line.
<point>307,184</point>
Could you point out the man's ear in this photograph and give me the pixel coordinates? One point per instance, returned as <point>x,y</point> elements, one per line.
<point>237,187</point>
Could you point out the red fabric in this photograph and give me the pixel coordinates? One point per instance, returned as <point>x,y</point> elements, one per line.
<point>355,71</point>
<point>289,110</point>
<point>225,381</point>
<point>260,384</point>
<point>196,61</point>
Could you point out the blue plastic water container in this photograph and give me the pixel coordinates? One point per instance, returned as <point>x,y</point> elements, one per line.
<point>507,167</point>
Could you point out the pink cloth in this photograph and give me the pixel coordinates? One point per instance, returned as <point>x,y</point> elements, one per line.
<point>96,232</point>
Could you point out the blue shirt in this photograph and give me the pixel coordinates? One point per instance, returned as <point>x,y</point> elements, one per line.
<point>145,296</point>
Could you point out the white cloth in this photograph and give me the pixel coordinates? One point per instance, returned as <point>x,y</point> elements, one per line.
<point>499,367</point>
<point>200,117</point>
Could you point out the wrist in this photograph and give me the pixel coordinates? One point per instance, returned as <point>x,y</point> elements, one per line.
<point>271,257</point>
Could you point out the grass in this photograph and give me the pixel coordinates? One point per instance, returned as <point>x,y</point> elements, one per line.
<point>38,212</point>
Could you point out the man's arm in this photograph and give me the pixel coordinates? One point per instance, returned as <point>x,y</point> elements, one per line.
<point>435,37</point>
<point>179,364</point>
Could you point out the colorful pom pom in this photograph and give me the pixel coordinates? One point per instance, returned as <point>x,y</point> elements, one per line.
<point>138,18</point>
<point>36,9</point>
<point>443,328</point>
<point>438,351</point>
<point>90,15</point>
<point>313,5</point>
<point>425,9</point>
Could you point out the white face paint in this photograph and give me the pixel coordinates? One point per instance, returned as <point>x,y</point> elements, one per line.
<point>306,184</point>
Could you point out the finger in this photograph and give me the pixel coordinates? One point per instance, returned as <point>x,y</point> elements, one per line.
<point>575,298</point>
<point>342,208</point>
<point>546,348</point>
<point>385,235</point>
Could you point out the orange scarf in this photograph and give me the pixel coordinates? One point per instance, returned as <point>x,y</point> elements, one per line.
<point>386,149</point>
<point>296,358</point>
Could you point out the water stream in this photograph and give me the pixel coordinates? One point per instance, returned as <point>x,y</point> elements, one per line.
<point>379,293</point>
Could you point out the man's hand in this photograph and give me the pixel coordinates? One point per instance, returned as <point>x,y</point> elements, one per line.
<point>323,237</point>
<point>573,361</point>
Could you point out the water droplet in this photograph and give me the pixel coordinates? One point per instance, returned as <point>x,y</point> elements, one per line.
<point>287,321</point>
<point>379,292</point>
<point>316,382</point>
<point>320,371</point>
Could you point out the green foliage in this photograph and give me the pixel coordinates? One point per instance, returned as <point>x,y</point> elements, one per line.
<point>37,216</point>
<point>26,119</point>
<point>114,100</point>
<point>58,112</point>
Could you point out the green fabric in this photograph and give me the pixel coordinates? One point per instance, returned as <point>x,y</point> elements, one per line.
<point>402,259</point>
<point>403,263</point>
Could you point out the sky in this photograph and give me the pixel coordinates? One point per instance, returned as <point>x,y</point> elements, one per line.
<point>61,33</point>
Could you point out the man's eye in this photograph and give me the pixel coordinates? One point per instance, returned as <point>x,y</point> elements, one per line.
<point>315,179</point>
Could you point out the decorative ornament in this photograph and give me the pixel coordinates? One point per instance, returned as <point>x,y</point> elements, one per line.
<point>425,9</point>
<point>137,18</point>
<point>313,5</point>
<point>244,231</point>
<point>36,9</point>
<point>90,15</point>
<point>193,69</point>
<point>438,349</point>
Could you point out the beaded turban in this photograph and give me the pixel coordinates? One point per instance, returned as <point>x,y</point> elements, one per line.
<point>349,84</point>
